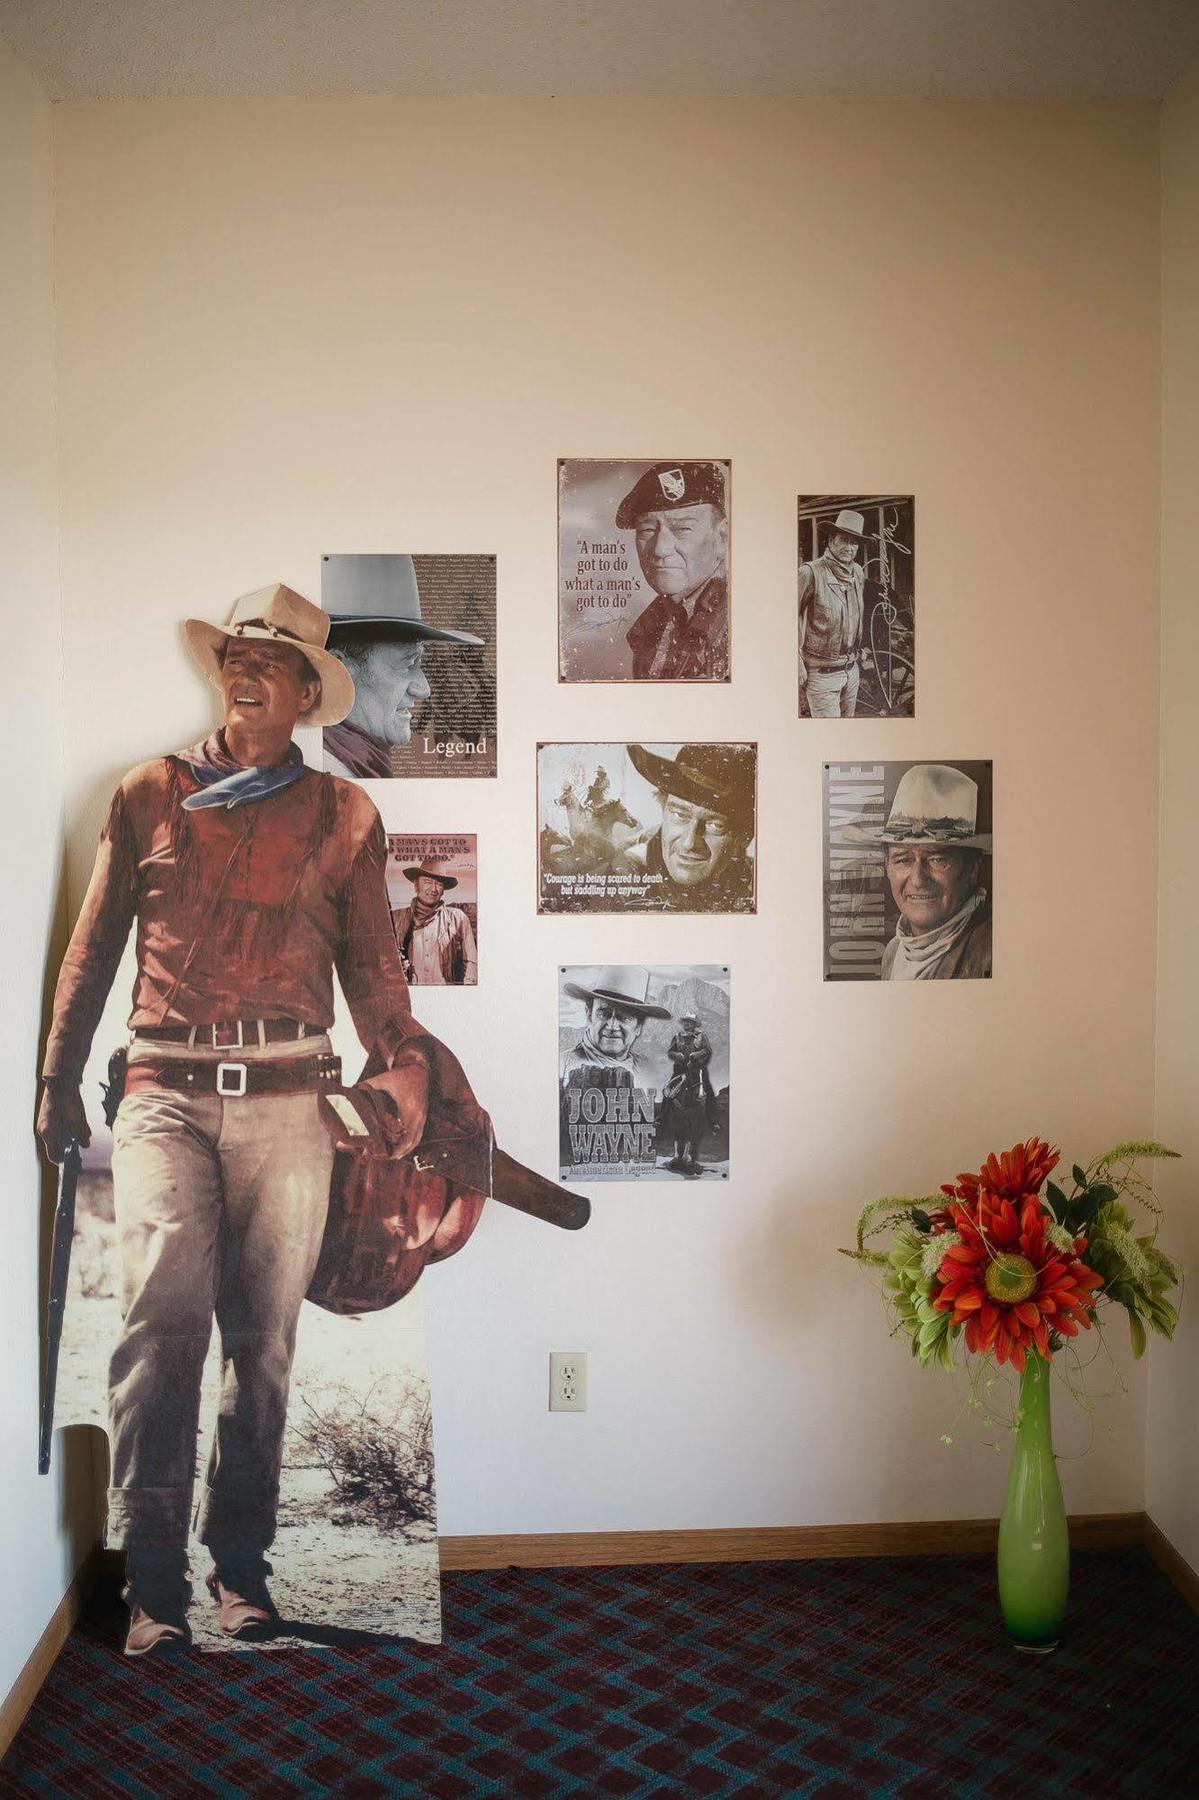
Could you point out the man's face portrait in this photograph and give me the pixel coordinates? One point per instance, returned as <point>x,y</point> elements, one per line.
<point>931,882</point>
<point>266,685</point>
<point>612,1029</point>
<point>681,548</point>
<point>389,685</point>
<point>696,842</point>
<point>429,890</point>
<point>843,547</point>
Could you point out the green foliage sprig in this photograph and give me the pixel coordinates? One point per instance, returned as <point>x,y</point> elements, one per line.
<point>1136,1274</point>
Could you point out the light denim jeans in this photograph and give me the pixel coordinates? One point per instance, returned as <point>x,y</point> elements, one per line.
<point>220,1209</point>
<point>833,693</point>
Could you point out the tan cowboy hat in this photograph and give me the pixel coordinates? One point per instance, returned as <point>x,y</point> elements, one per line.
<point>852,523</point>
<point>622,987</point>
<point>434,869</point>
<point>278,614</point>
<point>934,804</point>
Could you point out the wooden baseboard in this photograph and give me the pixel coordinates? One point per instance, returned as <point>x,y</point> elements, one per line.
<point>45,1652</point>
<point>1172,1563</point>
<point>781,1543</point>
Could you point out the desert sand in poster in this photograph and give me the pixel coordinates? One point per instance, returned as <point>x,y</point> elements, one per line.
<point>355,1557</point>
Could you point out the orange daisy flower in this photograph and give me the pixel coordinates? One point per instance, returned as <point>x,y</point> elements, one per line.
<point>1009,1284</point>
<point>1020,1171</point>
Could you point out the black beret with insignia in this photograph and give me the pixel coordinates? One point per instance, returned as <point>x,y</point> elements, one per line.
<point>668,486</point>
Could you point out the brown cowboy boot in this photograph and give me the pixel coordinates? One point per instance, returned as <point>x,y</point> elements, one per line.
<point>157,1594</point>
<point>246,1608</point>
<point>149,1636</point>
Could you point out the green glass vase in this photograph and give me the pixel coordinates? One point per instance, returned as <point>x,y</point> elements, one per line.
<point>1034,1541</point>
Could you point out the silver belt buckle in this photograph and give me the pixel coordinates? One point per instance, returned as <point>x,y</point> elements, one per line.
<point>238,1072</point>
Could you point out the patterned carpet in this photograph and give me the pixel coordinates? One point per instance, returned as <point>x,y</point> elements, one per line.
<point>759,1680</point>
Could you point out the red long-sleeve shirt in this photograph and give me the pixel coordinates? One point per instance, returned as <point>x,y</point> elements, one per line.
<point>241,913</point>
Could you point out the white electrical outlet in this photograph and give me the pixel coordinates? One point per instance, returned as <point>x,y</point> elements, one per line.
<point>568,1381</point>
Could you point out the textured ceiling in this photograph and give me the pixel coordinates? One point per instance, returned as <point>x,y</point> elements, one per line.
<point>1035,49</point>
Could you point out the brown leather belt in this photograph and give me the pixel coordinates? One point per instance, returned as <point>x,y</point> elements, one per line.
<point>231,1034</point>
<point>236,1080</point>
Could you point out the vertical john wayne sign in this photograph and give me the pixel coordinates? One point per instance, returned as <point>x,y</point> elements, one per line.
<point>855,877</point>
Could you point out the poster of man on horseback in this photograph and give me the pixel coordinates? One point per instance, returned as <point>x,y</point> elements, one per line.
<point>647,827</point>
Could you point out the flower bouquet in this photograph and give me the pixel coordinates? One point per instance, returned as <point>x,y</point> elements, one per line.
<point>1012,1272</point>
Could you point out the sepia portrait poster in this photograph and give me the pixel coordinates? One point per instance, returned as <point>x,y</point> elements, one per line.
<point>857,606</point>
<point>643,1068</point>
<point>417,633</point>
<point>907,871</point>
<point>647,827</point>
<point>643,570</point>
<point>432,883</point>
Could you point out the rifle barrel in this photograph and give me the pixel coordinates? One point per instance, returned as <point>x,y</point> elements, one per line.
<point>517,1186</point>
<point>56,1299</point>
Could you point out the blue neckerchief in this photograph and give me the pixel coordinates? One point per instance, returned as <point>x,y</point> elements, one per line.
<point>224,782</point>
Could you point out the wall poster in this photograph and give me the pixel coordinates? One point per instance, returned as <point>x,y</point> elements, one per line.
<point>907,871</point>
<point>857,606</point>
<point>417,633</point>
<point>643,570</point>
<point>647,827</point>
<point>644,1073</point>
<point>432,883</point>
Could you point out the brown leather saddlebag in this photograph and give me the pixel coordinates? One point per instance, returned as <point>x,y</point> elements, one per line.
<point>389,1216</point>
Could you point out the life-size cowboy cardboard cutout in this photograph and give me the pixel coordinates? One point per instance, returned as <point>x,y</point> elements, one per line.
<point>251,879</point>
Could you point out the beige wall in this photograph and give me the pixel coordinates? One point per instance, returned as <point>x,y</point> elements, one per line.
<point>39,1548</point>
<point>292,327</point>
<point>1173,1461</point>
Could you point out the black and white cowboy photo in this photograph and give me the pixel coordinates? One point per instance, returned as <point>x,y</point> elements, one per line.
<point>643,1073</point>
<point>857,606</point>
